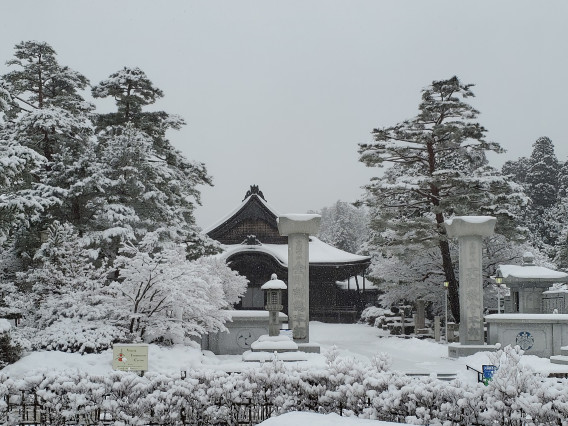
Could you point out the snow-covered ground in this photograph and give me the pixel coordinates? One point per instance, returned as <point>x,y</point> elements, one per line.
<point>312,419</point>
<point>352,340</point>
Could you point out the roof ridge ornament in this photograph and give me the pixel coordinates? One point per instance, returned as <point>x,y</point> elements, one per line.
<point>254,190</point>
<point>251,240</point>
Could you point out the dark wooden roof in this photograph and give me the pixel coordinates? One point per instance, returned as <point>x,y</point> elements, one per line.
<point>253,217</point>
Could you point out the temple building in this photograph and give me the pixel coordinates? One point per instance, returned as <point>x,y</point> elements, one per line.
<point>253,246</point>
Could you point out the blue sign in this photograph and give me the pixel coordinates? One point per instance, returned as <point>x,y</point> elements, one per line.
<point>488,371</point>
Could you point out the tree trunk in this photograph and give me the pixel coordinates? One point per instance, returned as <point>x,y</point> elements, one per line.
<point>453,288</point>
<point>447,264</point>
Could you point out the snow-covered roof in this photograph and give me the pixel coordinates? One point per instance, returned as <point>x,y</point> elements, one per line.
<point>236,210</point>
<point>320,252</point>
<point>520,273</point>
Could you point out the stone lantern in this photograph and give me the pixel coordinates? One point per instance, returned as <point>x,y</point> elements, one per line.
<point>274,306</point>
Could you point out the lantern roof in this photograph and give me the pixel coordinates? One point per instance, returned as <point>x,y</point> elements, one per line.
<point>274,284</point>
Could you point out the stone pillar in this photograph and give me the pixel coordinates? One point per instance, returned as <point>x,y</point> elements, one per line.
<point>298,228</point>
<point>420,319</point>
<point>437,328</point>
<point>469,230</point>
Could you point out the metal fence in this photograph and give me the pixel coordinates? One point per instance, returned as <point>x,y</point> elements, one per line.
<point>28,408</point>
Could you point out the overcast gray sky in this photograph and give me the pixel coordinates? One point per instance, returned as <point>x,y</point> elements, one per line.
<point>279,93</point>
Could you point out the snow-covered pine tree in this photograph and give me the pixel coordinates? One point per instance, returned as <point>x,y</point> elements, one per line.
<point>62,297</point>
<point>47,114</point>
<point>20,195</point>
<point>517,169</point>
<point>150,184</point>
<point>344,226</point>
<point>542,175</point>
<point>438,169</point>
<point>563,180</point>
<point>542,185</point>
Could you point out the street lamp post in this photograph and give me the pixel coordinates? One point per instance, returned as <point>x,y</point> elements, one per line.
<point>446,285</point>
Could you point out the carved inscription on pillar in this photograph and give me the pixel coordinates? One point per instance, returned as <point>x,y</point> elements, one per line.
<point>298,285</point>
<point>471,290</point>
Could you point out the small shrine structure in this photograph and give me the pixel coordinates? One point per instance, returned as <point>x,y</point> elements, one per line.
<point>253,246</point>
<point>529,287</point>
<point>535,316</point>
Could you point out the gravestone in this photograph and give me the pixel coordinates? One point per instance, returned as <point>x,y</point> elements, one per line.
<point>420,318</point>
<point>298,228</point>
<point>470,230</point>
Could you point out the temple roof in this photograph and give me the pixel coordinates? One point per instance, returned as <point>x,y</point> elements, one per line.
<point>245,207</point>
<point>320,252</point>
<point>252,228</point>
<point>530,273</point>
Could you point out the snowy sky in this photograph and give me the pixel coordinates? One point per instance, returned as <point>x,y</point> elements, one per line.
<point>279,93</point>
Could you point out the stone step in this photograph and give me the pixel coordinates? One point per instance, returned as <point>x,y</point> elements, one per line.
<point>564,350</point>
<point>559,359</point>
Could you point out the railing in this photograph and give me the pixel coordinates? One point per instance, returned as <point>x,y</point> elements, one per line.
<point>28,409</point>
<point>479,374</point>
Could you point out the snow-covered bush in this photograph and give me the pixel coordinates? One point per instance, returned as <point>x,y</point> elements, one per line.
<point>160,296</point>
<point>163,297</point>
<point>68,335</point>
<point>63,298</point>
<point>343,386</point>
<point>10,352</point>
<point>370,314</point>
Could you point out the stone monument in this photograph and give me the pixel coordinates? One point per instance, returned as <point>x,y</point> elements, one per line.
<point>298,228</point>
<point>420,317</point>
<point>470,230</point>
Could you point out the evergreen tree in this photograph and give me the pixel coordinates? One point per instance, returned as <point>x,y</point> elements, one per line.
<point>517,170</point>
<point>563,180</point>
<point>543,187</point>
<point>344,226</point>
<point>47,114</point>
<point>49,95</point>
<point>438,170</point>
<point>149,183</point>
<point>63,291</point>
<point>542,175</point>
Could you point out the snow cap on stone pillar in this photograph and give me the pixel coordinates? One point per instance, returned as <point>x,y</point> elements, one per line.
<point>462,226</point>
<point>299,224</point>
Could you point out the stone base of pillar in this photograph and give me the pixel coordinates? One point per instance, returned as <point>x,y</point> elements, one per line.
<point>312,348</point>
<point>270,348</point>
<point>455,350</point>
<point>250,356</point>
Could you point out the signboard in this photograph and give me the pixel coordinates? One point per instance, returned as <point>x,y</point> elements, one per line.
<point>130,357</point>
<point>488,371</point>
